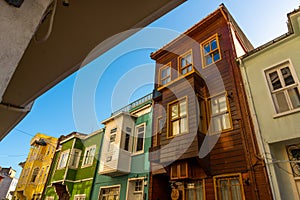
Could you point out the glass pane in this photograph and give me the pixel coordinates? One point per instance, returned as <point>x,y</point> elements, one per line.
<point>188,59</point>
<point>217,125</point>
<point>165,72</point>
<point>214,106</point>
<point>174,110</point>
<point>140,142</point>
<point>184,71</point>
<point>280,102</point>
<point>206,48</point>
<point>190,68</point>
<point>175,127</point>
<point>182,105</point>
<point>226,121</point>
<point>208,59</point>
<point>127,139</point>
<point>183,125</point>
<point>216,56</point>
<point>287,76</point>
<point>295,97</point>
<point>214,44</point>
<point>224,188</point>
<point>275,80</point>
<point>190,195</point>
<point>235,189</point>
<point>223,104</point>
<point>199,190</point>
<point>183,62</point>
<point>141,129</point>
<point>161,123</point>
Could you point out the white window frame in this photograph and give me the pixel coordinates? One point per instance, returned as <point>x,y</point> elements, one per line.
<point>60,159</point>
<point>72,158</point>
<point>107,187</point>
<point>277,67</point>
<point>133,180</point>
<point>135,139</point>
<point>80,197</point>
<point>85,156</point>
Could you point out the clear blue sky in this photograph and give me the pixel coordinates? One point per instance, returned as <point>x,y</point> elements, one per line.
<point>126,72</point>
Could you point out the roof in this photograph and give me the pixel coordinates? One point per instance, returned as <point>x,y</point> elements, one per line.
<point>222,10</point>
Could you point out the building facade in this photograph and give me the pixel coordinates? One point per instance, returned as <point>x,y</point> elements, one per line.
<point>202,144</point>
<point>36,168</point>
<point>8,182</point>
<point>74,166</point>
<point>271,77</point>
<point>123,171</point>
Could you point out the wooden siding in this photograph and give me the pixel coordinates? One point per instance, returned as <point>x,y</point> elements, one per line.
<point>236,151</point>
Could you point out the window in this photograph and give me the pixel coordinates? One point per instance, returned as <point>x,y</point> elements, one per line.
<point>139,138</point>
<point>112,140</point>
<point>178,122</point>
<point>75,156</point>
<point>126,139</point>
<point>179,170</point>
<point>135,189</point>
<point>228,187</point>
<point>165,74</point>
<point>284,88</point>
<point>210,51</point>
<point>220,115</point>
<point>89,155</point>
<point>194,190</point>
<point>110,193</point>
<point>294,157</point>
<point>79,197</point>
<point>34,175</point>
<point>185,63</point>
<point>63,159</point>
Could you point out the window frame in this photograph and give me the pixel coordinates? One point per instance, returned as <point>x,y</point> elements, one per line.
<point>168,65</point>
<point>225,176</point>
<point>107,187</point>
<point>203,54</point>
<point>180,68</point>
<point>34,175</point>
<point>135,139</point>
<point>60,159</point>
<point>85,156</point>
<point>134,180</point>
<point>77,159</point>
<point>212,116</point>
<point>294,162</point>
<point>79,196</point>
<point>195,188</point>
<point>277,67</point>
<point>169,118</point>
<point>178,168</point>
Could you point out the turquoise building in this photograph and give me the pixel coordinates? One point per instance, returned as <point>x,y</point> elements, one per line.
<point>74,166</point>
<point>123,169</point>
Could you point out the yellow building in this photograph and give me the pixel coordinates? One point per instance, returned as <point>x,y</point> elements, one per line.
<point>35,170</point>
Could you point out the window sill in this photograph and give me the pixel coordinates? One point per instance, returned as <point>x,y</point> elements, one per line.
<point>286,113</point>
<point>84,166</point>
<point>178,135</point>
<point>137,153</point>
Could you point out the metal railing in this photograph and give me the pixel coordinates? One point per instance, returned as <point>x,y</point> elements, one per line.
<point>134,104</point>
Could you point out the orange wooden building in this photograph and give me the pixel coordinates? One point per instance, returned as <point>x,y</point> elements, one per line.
<point>203,143</point>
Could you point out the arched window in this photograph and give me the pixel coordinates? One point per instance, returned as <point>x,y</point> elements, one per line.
<point>34,174</point>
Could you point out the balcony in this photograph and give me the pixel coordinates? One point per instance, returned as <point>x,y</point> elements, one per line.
<point>115,163</point>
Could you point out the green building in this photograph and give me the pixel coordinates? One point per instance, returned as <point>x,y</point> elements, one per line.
<point>271,77</point>
<point>74,166</point>
<point>123,170</point>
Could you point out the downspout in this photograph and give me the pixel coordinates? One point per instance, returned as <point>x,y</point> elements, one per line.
<point>256,124</point>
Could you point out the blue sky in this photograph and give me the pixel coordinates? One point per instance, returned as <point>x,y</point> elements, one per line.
<point>84,99</point>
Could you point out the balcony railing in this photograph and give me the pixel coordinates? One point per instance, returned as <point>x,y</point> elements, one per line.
<point>134,104</point>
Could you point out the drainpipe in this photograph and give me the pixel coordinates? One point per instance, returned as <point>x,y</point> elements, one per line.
<point>256,126</point>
